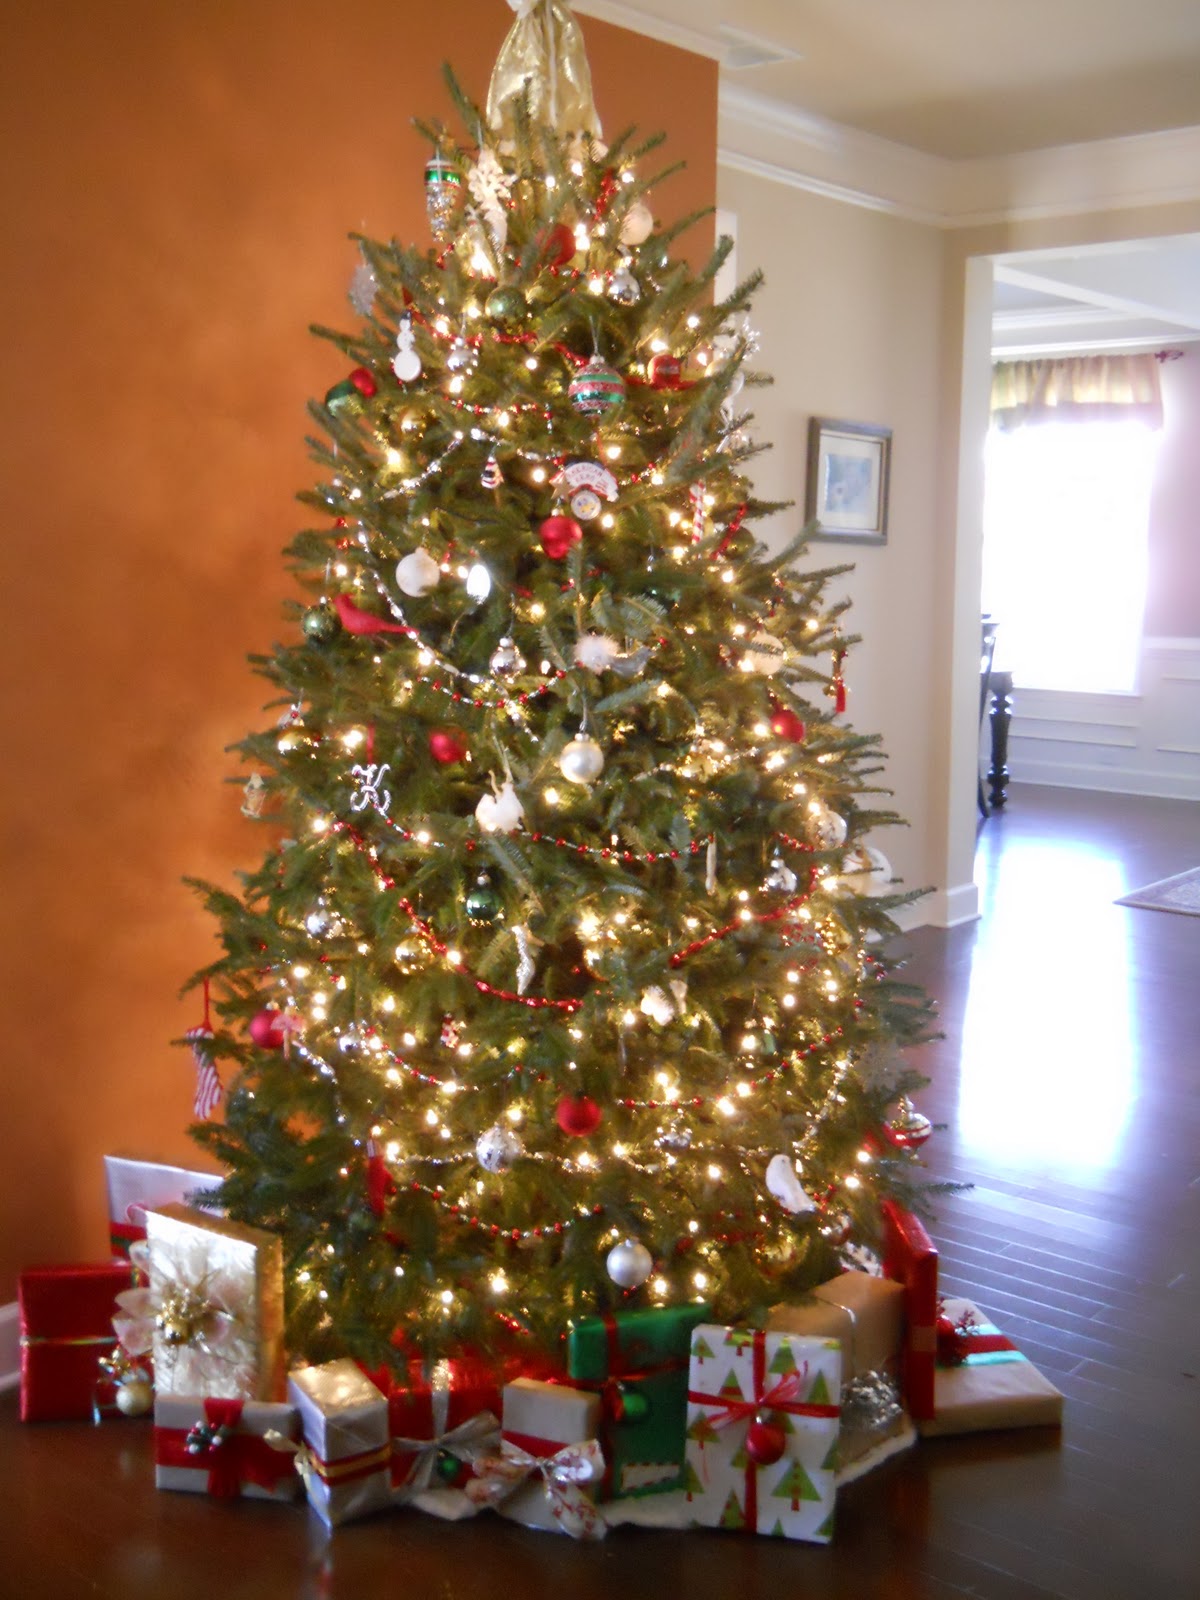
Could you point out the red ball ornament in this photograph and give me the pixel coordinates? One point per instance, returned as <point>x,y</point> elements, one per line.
<point>765,1442</point>
<point>785,724</point>
<point>578,1115</point>
<point>664,370</point>
<point>364,381</point>
<point>267,1031</point>
<point>558,245</point>
<point>446,747</point>
<point>558,534</point>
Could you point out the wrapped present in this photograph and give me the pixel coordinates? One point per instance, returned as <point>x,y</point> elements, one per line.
<point>213,1312</point>
<point>439,1423</point>
<point>910,1258</point>
<point>865,1314</point>
<point>638,1363</point>
<point>135,1186</point>
<point>226,1448</point>
<point>763,1418</point>
<point>983,1381</point>
<point>65,1316</point>
<point>550,1460</point>
<point>346,1458</point>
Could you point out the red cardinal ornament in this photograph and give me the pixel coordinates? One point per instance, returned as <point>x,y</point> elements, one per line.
<point>578,1115</point>
<point>785,724</point>
<point>446,747</point>
<point>558,245</point>
<point>558,534</point>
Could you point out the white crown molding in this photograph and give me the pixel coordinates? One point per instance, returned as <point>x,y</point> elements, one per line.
<point>699,41</point>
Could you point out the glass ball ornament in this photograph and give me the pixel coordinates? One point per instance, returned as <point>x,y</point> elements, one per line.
<point>909,1127</point>
<point>780,879</point>
<point>558,534</point>
<point>410,956</point>
<point>867,871</point>
<point>322,922</point>
<point>321,623</point>
<point>267,1029</point>
<point>497,1148</point>
<point>637,224</point>
<point>505,305</point>
<point>623,287</point>
<point>581,761</point>
<point>446,747</point>
<point>596,388</point>
<point>629,1263</point>
<point>461,356</point>
<point>482,903</point>
<point>824,827</point>
<point>417,573</point>
<point>675,1136</point>
<point>135,1395</point>
<point>578,1115</point>
<point>292,737</point>
<point>765,1441</point>
<point>506,660</point>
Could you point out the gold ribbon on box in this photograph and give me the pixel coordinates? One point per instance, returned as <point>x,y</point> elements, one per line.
<point>544,50</point>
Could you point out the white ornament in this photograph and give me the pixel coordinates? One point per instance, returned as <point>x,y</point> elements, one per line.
<point>637,224</point>
<point>364,286</point>
<point>781,879</point>
<point>784,1184</point>
<point>478,581</point>
<point>526,966</point>
<point>655,1005</point>
<point>582,761</point>
<point>866,870</point>
<point>596,651</point>
<point>824,827</point>
<point>764,654</point>
<point>135,1396</point>
<point>254,795</point>
<point>678,987</point>
<point>588,485</point>
<point>370,783</point>
<point>406,363</point>
<point>497,1148</point>
<point>489,185</point>
<point>417,573</point>
<point>500,812</point>
<point>629,1263</point>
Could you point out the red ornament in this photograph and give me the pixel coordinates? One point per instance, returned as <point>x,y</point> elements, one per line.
<point>267,1031</point>
<point>446,746</point>
<point>664,370</point>
<point>558,534</point>
<point>558,245</point>
<point>786,724</point>
<point>364,381</point>
<point>578,1115</point>
<point>765,1442</point>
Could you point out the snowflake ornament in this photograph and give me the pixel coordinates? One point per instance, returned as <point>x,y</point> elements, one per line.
<point>490,186</point>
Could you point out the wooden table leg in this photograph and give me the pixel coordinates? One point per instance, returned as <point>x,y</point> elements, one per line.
<point>1000,717</point>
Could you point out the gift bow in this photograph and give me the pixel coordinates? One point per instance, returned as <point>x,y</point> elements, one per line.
<point>499,1476</point>
<point>475,1437</point>
<point>217,1323</point>
<point>232,1458</point>
<point>314,1470</point>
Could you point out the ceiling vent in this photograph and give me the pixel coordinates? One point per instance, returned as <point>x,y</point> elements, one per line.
<point>744,50</point>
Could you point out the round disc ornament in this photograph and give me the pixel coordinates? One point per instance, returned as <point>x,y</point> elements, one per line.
<point>629,1263</point>
<point>497,1148</point>
<point>582,761</point>
<point>596,388</point>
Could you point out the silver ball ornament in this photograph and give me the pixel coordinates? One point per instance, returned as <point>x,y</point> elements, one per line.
<point>624,288</point>
<point>824,827</point>
<point>497,1148</point>
<point>582,761</point>
<point>506,660</point>
<point>629,1263</point>
<point>781,879</point>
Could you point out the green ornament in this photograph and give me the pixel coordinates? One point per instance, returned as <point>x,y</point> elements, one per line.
<point>635,1407</point>
<point>321,623</point>
<point>506,305</point>
<point>343,398</point>
<point>449,1467</point>
<point>483,904</point>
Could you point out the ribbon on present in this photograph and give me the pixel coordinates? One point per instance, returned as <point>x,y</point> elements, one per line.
<point>783,1396</point>
<point>967,1342</point>
<point>198,1313</point>
<point>563,1469</point>
<point>233,1458</point>
<point>476,1437</point>
<point>314,1469</point>
<point>621,1399</point>
<point>423,1408</point>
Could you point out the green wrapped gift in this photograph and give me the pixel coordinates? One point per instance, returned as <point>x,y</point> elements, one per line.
<point>638,1363</point>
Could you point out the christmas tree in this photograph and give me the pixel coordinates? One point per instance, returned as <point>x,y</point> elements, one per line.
<point>562,984</point>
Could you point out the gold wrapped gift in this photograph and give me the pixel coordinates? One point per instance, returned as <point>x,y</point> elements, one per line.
<point>544,50</point>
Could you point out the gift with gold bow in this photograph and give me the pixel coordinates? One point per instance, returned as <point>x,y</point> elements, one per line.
<point>345,1460</point>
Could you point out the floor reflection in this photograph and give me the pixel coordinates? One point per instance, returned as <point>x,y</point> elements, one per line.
<point>1048,1064</point>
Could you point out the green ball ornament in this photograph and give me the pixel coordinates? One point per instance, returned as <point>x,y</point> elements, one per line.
<point>483,904</point>
<point>343,398</point>
<point>631,1405</point>
<point>506,305</point>
<point>321,623</point>
<point>450,1470</point>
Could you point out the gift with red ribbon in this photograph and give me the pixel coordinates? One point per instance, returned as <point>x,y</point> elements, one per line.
<point>982,1381</point>
<point>910,1258</point>
<point>345,1461</point>
<point>221,1448</point>
<point>135,1186</point>
<point>637,1361</point>
<point>427,1409</point>
<point>549,1464</point>
<point>65,1316</point>
<point>763,1418</point>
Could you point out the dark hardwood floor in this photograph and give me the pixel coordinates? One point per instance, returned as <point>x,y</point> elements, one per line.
<point>1069,1080</point>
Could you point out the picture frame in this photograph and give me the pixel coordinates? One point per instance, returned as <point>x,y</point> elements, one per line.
<point>846,496</point>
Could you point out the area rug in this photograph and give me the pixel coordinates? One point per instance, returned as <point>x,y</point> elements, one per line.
<point>1180,893</point>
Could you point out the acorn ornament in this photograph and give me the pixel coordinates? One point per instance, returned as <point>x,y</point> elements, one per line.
<point>417,573</point>
<point>596,388</point>
<point>582,760</point>
<point>629,1263</point>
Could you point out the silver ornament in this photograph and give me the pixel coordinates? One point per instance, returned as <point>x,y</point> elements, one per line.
<point>322,921</point>
<point>628,666</point>
<point>870,1403</point>
<point>460,357</point>
<point>497,1148</point>
<point>624,288</point>
<point>526,966</point>
<point>629,1263</point>
<point>364,286</point>
<point>506,660</point>
<point>825,829</point>
<point>582,761</point>
<point>675,1136</point>
<point>781,879</point>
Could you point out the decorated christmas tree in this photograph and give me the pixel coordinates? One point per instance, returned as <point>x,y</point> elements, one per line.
<point>562,984</point>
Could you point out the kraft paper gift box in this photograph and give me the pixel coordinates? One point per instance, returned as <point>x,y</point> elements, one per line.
<point>910,1257</point>
<point>346,1463</point>
<point>983,1381</point>
<point>638,1362</point>
<point>222,1448</point>
<point>65,1316</point>
<point>787,1387</point>
<point>865,1314</point>
<point>134,1186</point>
<point>550,1421</point>
<point>212,1314</point>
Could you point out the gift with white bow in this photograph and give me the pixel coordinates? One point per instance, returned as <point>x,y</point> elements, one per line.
<point>549,1463</point>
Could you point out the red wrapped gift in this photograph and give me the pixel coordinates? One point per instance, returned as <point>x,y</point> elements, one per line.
<point>66,1326</point>
<point>437,1408</point>
<point>910,1257</point>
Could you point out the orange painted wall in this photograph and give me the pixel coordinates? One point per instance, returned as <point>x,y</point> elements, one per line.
<point>177,184</point>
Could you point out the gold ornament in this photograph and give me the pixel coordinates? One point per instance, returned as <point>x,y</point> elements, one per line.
<point>543,56</point>
<point>183,1317</point>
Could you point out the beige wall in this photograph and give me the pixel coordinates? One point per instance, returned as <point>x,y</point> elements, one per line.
<point>1173,597</point>
<point>849,323</point>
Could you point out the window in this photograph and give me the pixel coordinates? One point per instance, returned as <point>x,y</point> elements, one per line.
<point>1064,559</point>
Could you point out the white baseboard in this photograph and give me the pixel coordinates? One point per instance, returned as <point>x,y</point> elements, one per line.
<point>948,908</point>
<point>10,1347</point>
<point>1108,780</point>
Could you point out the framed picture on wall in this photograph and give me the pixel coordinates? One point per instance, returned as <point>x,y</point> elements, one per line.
<point>847,493</point>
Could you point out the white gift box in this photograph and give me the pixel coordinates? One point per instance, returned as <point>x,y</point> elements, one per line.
<point>220,1447</point>
<point>348,1450</point>
<point>135,1186</point>
<point>541,1418</point>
